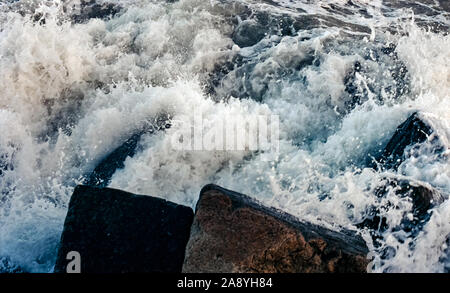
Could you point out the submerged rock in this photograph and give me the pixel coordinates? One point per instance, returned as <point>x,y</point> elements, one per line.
<point>233,233</point>
<point>101,176</point>
<point>103,172</point>
<point>408,137</point>
<point>406,142</point>
<point>423,198</point>
<point>116,231</point>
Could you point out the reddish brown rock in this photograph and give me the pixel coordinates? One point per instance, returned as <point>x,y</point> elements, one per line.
<point>233,233</point>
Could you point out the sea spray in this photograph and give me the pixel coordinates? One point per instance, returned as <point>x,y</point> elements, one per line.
<point>340,77</point>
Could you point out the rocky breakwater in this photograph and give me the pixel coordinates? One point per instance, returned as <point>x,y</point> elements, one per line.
<point>115,231</point>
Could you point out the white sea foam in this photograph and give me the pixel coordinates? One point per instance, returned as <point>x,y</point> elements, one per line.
<point>72,93</point>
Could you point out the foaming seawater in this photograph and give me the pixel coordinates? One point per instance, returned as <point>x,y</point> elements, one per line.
<point>341,77</point>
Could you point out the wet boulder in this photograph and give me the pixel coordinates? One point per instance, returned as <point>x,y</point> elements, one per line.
<point>414,130</point>
<point>407,138</point>
<point>232,232</point>
<point>115,232</point>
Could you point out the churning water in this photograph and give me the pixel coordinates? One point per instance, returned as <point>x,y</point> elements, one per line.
<point>340,74</point>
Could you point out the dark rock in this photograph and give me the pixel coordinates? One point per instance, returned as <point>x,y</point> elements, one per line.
<point>407,137</point>
<point>248,33</point>
<point>101,176</point>
<point>413,131</point>
<point>115,231</point>
<point>423,198</point>
<point>234,233</point>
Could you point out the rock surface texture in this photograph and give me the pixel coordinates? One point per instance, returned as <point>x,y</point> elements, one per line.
<point>233,233</point>
<point>116,231</point>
